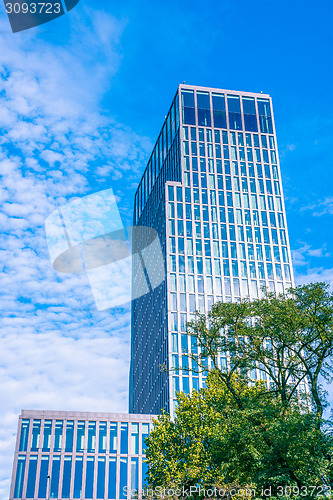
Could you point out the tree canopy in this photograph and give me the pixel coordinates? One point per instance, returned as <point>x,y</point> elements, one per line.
<point>242,432</point>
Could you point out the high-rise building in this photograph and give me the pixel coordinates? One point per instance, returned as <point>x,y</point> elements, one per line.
<point>212,190</point>
<point>79,455</point>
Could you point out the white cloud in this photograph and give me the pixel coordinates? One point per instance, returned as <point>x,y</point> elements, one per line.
<point>57,351</point>
<point>314,274</point>
<point>300,256</point>
<point>320,207</point>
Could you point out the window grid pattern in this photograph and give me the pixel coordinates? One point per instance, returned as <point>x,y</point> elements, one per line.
<point>219,211</point>
<point>149,389</point>
<point>226,226</point>
<point>111,457</point>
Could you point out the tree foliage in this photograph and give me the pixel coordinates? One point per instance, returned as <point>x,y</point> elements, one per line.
<point>254,434</point>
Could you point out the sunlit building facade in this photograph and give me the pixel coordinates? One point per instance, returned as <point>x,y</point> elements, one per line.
<point>79,455</point>
<point>212,190</point>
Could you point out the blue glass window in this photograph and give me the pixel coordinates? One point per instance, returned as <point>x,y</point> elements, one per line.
<point>124,438</point>
<point>91,437</point>
<point>145,473</point>
<point>58,435</point>
<point>66,482</point>
<point>235,118</point>
<point>186,385</point>
<point>276,253</point>
<point>101,477</point>
<point>47,435</point>
<point>135,437</point>
<point>283,237</point>
<point>232,232</point>
<point>35,435</point>
<point>78,477</point>
<point>226,157</point>
<point>278,271</point>
<point>55,477</point>
<point>250,118</point>
<point>123,478</point>
<point>264,141</point>
<point>145,434</point>
<point>203,109</point>
<point>32,477</point>
<point>275,237</point>
<point>270,270</point>
<point>43,479</point>
<point>226,268</point>
<point>134,474</point>
<point>287,272</point>
<point>19,477</point>
<point>80,436</point>
<point>219,113</point>
<point>112,478</point>
<point>102,437</point>
<point>90,477</point>
<point>24,435</point>
<point>69,435</point>
<point>188,107</point>
<point>265,117</point>
<point>113,437</point>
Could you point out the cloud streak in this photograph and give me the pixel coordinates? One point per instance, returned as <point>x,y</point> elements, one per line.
<point>57,351</point>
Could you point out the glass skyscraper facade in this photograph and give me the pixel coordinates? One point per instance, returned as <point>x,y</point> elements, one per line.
<point>212,190</point>
<point>79,455</point>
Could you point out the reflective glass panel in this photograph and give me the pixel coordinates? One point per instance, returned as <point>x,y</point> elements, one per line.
<point>123,478</point>
<point>134,473</point>
<point>78,477</point>
<point>188,107</point>
<point>91,437</point>
<point>112,478</point>
<point>124,438</point>
<point>32,477</point>
<point>19,477</point>
<point>266,126</point>
<point>80,436</point>
<point>90,477</point>
<point>35,435</point>
<point>113,437</point>
<point>44,469</point>
<point>102,437</point>
<point>101,477</point>
<point>219,113</point>
<point>66,482</point>
<point>47,435</point>
<point>135,439</point>
<point>58,435</point>
<point>24,435</point>
<point>145,434</point>
<point>55,477</point>
<point>69,435</point>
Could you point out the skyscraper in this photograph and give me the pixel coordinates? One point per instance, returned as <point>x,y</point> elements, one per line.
<point>212,190</point>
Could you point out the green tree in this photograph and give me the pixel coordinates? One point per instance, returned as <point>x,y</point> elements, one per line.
<point>254,434</point>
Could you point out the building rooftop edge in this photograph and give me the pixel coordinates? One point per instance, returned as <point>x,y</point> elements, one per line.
<point>229,91</point>
<point>74,413</point>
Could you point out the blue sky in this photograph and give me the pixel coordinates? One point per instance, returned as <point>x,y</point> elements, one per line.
<point>82,101</point>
